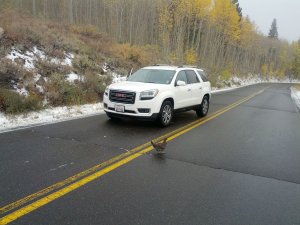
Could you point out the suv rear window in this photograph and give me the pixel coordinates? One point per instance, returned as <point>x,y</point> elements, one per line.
<point>192,77</point>
<point>203,75</point>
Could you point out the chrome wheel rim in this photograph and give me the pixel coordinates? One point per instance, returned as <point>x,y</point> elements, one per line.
<point>205,106</point>
<point>167,114</point>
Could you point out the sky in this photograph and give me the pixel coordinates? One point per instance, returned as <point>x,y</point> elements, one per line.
<point>287,13</point>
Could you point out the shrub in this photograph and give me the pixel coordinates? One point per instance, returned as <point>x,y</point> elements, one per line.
<point>3,50</point>
<point>13,103</point>
<point>61,92</point>
<point>129,56</point>
<point>77,46</point>
<point>56,53</point>
<point>226,75</point>
<point>191,57</point>
<point>95,83</point>
<point>24,36</point>
<point>55,89</point>
<point>87,30</point>
<point>10,71</point>
<point>33,103</point>
<point>31,38</point>
<point>73,95</point>
<point>10,102</point>
<point>85,63</point>
<point>47,68</point>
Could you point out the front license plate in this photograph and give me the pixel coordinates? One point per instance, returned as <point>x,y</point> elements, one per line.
<point>120,108</point>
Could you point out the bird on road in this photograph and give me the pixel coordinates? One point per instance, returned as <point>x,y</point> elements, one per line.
<point>160,146</point>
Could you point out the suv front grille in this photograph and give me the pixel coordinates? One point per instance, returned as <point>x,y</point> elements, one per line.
<point>120,96</point>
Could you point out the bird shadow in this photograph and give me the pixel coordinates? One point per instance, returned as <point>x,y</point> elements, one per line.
<point>159,156</point>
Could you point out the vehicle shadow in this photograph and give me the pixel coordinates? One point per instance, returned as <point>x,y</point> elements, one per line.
<point>179,120</point>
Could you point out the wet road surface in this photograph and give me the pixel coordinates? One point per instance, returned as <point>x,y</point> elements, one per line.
<point>241,167</point>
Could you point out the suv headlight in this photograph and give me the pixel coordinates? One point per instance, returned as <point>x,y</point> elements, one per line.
<point>149,94</point>
<point>106,91</point>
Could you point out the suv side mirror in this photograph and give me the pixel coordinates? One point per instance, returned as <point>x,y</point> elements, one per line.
<point>180,83</point>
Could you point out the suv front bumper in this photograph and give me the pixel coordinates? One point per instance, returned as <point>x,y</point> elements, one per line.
<point>144,110</point>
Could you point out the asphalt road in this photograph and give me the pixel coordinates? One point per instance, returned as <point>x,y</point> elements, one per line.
<point>240,167</point>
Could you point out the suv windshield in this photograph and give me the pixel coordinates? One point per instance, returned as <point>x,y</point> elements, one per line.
<point>152,76</point>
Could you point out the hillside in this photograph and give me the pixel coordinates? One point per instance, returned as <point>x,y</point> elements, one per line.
<point>56,64</point>
<point>57,54</point>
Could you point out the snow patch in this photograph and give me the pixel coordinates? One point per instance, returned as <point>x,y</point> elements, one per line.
<point>68,60</point>
<point>29,57</point>
<point>236,82</point>
<point>105,67</point>
<point>295,94</point>
<point>40,88</point>
<point>117,78</point>
<point>21,90</point>
<point>37,77</point>
<point>48,116</point>
<point>72,77</point>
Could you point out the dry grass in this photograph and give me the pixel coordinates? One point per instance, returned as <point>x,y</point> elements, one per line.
<point>12,103</point>
<point>91,49</point>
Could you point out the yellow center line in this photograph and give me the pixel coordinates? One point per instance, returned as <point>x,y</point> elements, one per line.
<point>69,180</point>
<point>111,165</point>
<point>93,169</point>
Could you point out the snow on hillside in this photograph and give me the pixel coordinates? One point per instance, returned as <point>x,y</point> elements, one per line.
<point>52,115</point>
<point>57,114</point>
<point>29,60</point>
<point>72,77</point>
<point>235,82</point>
<point>29,57</point>
<point>118,78</point>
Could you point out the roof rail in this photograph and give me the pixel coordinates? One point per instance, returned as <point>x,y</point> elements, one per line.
<point>159,64</point>
<point>191,66</point>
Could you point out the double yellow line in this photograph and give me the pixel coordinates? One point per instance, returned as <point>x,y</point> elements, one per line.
<point>49,194</point>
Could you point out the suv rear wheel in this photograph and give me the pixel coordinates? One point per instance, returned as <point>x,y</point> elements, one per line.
<point>166,114</point>
<point>202,110</point>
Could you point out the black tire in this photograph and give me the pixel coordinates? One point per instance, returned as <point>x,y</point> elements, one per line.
<point>202,110</point>
<point>166,114</point>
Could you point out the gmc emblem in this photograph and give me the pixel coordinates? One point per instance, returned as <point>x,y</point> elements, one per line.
<point>120,95</point>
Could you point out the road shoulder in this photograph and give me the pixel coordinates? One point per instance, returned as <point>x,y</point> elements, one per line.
<point>295,94</point>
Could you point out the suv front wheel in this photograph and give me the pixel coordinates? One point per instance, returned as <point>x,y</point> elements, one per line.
<point>166,114</point>
<point>202,110</point>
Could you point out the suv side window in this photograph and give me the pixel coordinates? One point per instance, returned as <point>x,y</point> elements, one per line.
<point>192,77</point>
<point>203,75</point>
<point>181,76</point>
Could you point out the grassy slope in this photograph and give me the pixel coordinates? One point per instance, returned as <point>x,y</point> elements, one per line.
<point>91,49</point>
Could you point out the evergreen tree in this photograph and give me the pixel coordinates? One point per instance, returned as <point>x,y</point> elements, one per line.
<point>296,63</point>
<point>238,8</point>
<point>273,33</point>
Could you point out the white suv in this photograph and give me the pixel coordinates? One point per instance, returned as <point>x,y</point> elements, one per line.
<point>156,92</point>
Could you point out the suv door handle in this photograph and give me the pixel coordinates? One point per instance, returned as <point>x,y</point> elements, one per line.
<point>200,88</point>
<point>189,89</point>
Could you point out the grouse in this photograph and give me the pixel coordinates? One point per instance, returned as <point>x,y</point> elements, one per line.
<point>160,146</point>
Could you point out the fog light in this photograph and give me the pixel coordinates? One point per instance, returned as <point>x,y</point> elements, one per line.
<point>144,110</point>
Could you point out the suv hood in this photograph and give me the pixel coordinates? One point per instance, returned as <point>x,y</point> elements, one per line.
<point>137,86</point>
